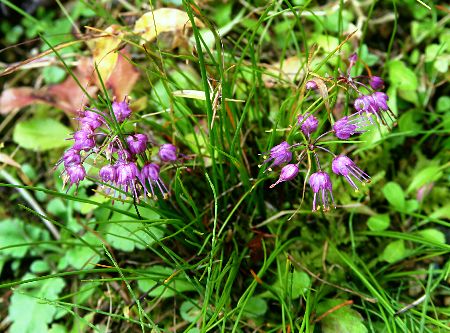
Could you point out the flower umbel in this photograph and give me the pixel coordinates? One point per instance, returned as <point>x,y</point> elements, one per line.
<point>128,159</point>
<point>369,103</point>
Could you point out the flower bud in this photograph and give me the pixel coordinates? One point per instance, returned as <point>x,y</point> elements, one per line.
<point>168,152</point>
<point>288,172</point>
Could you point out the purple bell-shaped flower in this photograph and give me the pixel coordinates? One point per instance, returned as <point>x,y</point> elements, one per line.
<point>121,110</point>
<point>376,82</point>
<point>320,183</point>
<point>308,123</point>
<point>167,152</point>
<point>137,143</point>
<point>150,175</point>
<point>84,139</point>
<point>344,166</point>
<point>279,154</point>
<point>347,126</point>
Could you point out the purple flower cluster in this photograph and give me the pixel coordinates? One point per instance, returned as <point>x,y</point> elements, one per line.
<point>368,103</point>
<point>129,166</point>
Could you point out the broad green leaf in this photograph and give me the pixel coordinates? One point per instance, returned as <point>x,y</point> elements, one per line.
<point>327,42</point>
<point>80,324</point>
<point>411,205</point>
<point>41,134</point>
<point>343,320</point>
<point>82,255</point>
<point>425,176</point>
<point>39,266</point>
<point>57,328</point>
<point>158,274</point>
<point>432,51</point>
<point>14,232</point>
<point>38,314</point>
<point>296,284</point>
<point>405,80</point>
<point>410,122</point>
<point>87,207</point>
<point>128,235</point>
<point>395,251</point>
<point>433,235</point>
<point>436,53</point>
<point>402,76</point>
<point>255,307</point>
<point>394,195</point>
<point>85,292</point>
<point>379,222</point>
<point>53,74</point>
<point>443,104</point>
<point>189,311</point>
<point>442,212</point>
<point>56,207</point>
<point>369,58</point>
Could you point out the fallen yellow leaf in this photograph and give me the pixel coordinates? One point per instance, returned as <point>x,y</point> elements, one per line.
<point>164,20</point>
<point>104,51</point>
<point>284,73</point>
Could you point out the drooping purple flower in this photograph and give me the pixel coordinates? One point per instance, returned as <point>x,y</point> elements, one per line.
<point>137,143</point>
<point>308,123</point>
<point>168,152</point>
<point>121,110</point>
<point>321,182</point>
<point>108,173</point>
<point>127,173</point>
<point>311,85</point>
<point>124,155</point>
<point>347,126</point>
<point>71,157</point>
<point>76,173</point>
<point>150,175</point>
<point>344,166</point>
<point>279,154</point>
<point>91,119</point>
<point>375,104</point>
<point>380,99</point>
<point>376,82</point>
<point>84,139</point>
<point>288,172</point>
<point>362,103</point>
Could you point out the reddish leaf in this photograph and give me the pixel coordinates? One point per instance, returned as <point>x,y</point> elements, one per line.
<point>16,98</point>
<point>68,96</point>
<point>123,78</point>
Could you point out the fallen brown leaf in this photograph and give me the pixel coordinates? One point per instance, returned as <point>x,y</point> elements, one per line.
<point>104,51</point>
<point>123,78</point>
